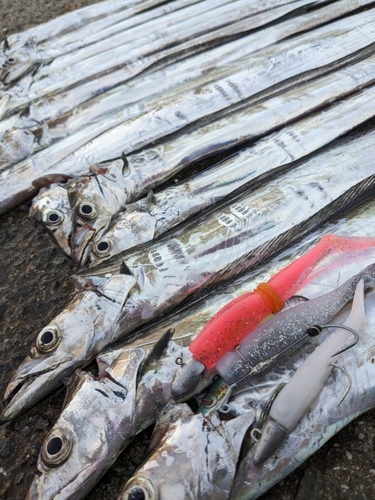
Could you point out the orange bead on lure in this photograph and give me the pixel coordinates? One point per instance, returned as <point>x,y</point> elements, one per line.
<point>238,318</point>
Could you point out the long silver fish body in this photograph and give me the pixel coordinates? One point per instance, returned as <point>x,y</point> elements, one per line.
<point>325,418</point>
<point>49,107</point>
<point>35,52</point>
<point>135,55</point>
<point>212,248</point>
<point>288,60</point>
<point>292,60</point>
<point>179,25</point>
<point>150,217</point>
<point>105,109</point>
<point>161,345</point>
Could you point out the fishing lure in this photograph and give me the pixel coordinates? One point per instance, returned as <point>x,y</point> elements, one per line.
<point>296,397</point>
<point>238,318</point>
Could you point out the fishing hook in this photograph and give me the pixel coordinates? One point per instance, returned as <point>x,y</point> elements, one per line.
<point>344,327</point>
<point>350,382</point>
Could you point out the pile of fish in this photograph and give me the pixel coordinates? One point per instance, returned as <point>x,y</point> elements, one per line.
<point>201,163</point>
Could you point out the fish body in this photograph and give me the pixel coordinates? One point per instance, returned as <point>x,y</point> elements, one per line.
<point>152,216</point>
<point>232,240</point>
<point>163,343</point>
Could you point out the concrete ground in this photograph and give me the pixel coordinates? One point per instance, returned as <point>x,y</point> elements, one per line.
<point>33,289</point>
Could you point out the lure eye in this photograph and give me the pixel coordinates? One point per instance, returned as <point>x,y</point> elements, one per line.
<point>102,247</point>
<point>139,488</point>
<point>56,448</point>
<point>87,210</point>
<point>48,339</point>
<point>53,217</point>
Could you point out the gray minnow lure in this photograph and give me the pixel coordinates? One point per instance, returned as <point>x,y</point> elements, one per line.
<point>21,59</point>
<point>142,54</point>
<point>294,400</point>
<point>51,208</point>
<point>325,418</point>
<point>162,344</point>
<point>212,248</point>
<point>150,217</point>
<point>293,61</point>
<point>40,110</point>
<point>288,60</point>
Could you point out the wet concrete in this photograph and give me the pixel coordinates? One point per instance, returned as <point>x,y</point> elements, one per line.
<point>34,286</point>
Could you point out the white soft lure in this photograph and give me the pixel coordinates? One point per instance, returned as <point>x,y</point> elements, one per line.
<point>294,400</point>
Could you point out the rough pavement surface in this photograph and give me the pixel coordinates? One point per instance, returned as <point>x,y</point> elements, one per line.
<point>34,287</point>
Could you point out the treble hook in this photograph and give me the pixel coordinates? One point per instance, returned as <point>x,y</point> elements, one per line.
<point>350,382</point>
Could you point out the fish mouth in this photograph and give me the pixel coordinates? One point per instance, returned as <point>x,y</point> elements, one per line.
<point>82,243</point>
<point>26,390</point>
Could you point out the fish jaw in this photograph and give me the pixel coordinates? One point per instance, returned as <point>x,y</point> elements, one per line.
<point>129,229</point>
<point>19,62</point>
<point>74,337</point>
<point>91,433</point>
<point>94,201</point>
<point>51,208</point>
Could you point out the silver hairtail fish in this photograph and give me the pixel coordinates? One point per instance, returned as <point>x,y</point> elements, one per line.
<point>162,346</point>
<point>154,215</point>
<point>251,399</point>
<point>51,208</point>
<point>173,74</point>
<point>84,456</point>
<point>225,243</point>
<point>38,49</point>
<point>26,50</point>
<point>204,450</point>
<point>285,64</point>
<point>143,45</point>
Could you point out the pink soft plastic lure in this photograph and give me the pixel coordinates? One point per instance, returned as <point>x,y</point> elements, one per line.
<point>238,318</point>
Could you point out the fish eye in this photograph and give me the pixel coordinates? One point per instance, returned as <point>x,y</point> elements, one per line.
<point>56,447</point>
<point>139,488</point>
<point>53,217</point>
<point>87,210</point>
<point>102,247</point>
<point>48,339</point>
<point>11,60</point>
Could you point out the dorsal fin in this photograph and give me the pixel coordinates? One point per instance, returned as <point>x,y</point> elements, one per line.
<point>156,352</point>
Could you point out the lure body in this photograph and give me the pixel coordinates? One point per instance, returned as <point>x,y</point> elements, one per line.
<point>238,318</point>
<point>267,343</point>
<point>299,393</point>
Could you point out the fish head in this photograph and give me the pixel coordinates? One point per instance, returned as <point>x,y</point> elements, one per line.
<point>88,434</point>
<point>203,449</point>
<point>16,145</point>
<point>71,340</point>
<point>129,229</point>
<point>94,200</point>
<point>19,62</point>
<point>51,209</point>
